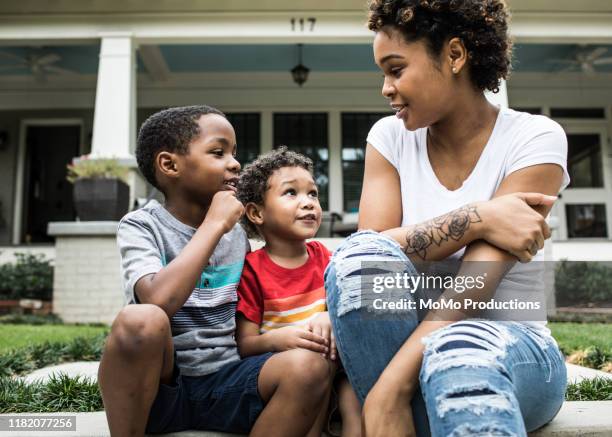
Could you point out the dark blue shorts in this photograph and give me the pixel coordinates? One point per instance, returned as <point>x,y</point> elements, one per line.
<point>227,400</point>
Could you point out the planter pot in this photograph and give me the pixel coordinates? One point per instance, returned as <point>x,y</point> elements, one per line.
<point>98,199</point>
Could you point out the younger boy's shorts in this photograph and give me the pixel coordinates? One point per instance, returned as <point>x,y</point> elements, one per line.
<point>227,400</point>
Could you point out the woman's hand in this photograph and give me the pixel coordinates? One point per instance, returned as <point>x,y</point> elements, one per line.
<point>387,412</point>
<point>321,326</point>
<point>511,223</point>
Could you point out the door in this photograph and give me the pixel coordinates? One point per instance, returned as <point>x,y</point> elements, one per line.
<point>47,193</point>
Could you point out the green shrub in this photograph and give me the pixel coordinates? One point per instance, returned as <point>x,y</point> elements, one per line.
<point>33,319</point>
<point>592,357</point>
<point>597,389</point>
<point>30,277</point>
<point>60,393</point>
<point>582,283</point>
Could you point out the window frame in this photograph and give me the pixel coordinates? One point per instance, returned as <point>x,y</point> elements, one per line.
<point>380,113</point>
<point>326,119</point>
<point>230,114</point>
<point>334,131</point>
<point>587,195</point>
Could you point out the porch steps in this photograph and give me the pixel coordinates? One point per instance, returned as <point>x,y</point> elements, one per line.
<point>588,418</point>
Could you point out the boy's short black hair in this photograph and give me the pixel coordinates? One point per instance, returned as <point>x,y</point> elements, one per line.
<point>482,25</point>
<point>169,130</point>
<point>253,182</point>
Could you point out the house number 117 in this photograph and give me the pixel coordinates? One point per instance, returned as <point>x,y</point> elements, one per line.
<point>300,24</point>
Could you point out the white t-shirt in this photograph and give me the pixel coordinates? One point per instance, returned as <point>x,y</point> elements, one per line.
<point>518,140</point>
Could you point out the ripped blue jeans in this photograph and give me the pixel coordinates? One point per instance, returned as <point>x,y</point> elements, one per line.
<point>478,377</point>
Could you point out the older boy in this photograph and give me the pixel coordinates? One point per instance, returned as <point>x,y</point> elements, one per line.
<point>171,362</point>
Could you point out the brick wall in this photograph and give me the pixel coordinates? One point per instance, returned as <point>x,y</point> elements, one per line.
<point>87,284</point>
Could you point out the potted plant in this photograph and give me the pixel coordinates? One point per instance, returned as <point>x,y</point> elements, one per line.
<point>100,188</point>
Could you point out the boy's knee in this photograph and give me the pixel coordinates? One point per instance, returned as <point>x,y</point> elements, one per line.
<point>308,370</point>
<point>139,327</point>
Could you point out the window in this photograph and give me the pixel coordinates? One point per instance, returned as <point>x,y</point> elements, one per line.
<point>577,113</point>
<point>586,203</point>
<point>355,128</point>
<point>584,160</point>
<point>306,133</point>
<point>531,110</point>
<point>586,221</point>
<point>247,127</point>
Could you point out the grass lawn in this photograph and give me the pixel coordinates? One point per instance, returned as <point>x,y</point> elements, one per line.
<point>573,337</point>
<point>19,336</point>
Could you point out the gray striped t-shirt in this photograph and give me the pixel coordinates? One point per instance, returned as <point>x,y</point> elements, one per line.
<point>203,329</point>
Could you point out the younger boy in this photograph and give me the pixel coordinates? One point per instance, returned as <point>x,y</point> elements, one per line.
<point>171,363</point>
<point>281,291</point>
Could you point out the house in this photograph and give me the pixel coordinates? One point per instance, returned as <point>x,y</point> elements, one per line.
<point>79,77</point>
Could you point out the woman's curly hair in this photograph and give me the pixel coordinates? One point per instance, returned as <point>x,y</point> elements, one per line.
<point>253,182</point>
<point>482,25</point>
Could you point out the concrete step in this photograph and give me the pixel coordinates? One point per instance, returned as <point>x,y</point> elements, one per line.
<point>590,419</point>
<point>580,418</point>
<point>578,373</point>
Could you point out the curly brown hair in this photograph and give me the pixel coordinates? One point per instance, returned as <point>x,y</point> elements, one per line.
<point>253,182</point>
<point>482,25</point>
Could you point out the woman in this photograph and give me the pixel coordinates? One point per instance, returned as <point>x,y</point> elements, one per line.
<point>451,176</point>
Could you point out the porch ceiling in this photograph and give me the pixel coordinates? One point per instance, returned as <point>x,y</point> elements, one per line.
<point>27,7</point>
<point>83,59</point>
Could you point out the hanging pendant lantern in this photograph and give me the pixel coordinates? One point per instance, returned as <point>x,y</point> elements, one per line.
<point>300,71</point>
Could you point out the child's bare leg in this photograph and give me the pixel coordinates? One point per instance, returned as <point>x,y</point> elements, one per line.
<point>138,355</point>
<point>350,409</point>
<point>293,384</point>
<point>321,419</point>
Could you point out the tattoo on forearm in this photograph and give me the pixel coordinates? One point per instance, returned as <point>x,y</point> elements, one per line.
<point>451,225</point>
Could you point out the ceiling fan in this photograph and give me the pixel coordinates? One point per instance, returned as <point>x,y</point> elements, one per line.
<point>586,60</point>
<point>38,62</point>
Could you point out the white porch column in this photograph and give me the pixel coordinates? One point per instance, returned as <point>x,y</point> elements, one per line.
<point>114,130</point>
<point>501,98</point>
<point>336,192</point>
<point>266,135</point>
